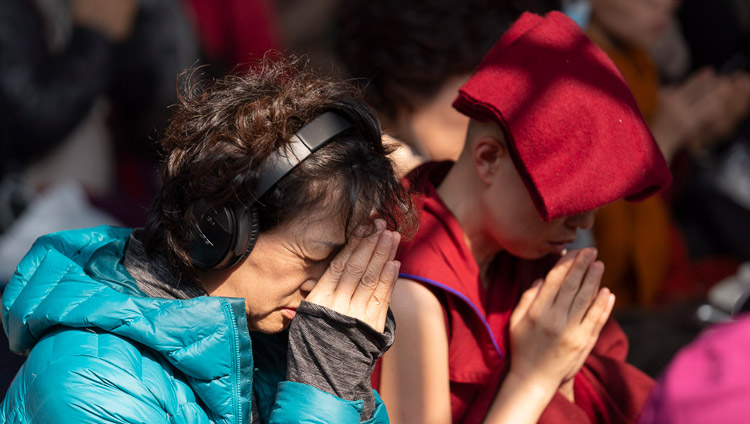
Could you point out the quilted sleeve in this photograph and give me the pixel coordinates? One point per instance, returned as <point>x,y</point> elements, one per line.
<point>300,403</point>
<point>78,376</point>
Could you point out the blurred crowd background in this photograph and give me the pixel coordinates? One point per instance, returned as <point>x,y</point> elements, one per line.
<point>85,87</point>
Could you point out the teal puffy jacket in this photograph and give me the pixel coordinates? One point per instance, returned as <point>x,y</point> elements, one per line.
<point>99,350</point>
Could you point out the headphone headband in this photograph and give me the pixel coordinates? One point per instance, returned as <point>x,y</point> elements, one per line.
<point>225,235</point>
<point>303,143</point>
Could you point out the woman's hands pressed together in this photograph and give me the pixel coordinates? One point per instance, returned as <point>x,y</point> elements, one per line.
<point>360,279</point>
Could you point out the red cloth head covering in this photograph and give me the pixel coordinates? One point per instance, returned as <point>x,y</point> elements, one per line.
<point>574,130</point>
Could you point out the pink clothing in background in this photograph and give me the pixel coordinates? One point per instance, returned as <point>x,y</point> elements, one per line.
<point>708,381</point>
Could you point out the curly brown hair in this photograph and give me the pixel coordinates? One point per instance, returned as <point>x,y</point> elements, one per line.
<point>222,130</point>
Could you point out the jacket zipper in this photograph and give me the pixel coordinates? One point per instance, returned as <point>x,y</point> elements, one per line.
<point>235,366</point>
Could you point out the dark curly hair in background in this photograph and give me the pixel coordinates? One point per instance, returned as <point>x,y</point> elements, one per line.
<point>222,130</point>
<point>403,51</point>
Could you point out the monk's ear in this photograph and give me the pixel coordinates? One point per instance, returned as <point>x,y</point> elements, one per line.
<point>489,153</point>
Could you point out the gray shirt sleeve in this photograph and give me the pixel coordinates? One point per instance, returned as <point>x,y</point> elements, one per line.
<point>336,353</point>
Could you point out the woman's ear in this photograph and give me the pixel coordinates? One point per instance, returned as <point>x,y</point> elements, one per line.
<point>489,154</point>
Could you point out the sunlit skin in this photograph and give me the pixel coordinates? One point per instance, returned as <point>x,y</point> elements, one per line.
<point>311,258</point>
<point>510,221</point>
<point>434,127</point>
<point>553,328</point>
<point>283,267</point>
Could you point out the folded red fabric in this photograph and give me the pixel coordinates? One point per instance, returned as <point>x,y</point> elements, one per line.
<point>574,130</point>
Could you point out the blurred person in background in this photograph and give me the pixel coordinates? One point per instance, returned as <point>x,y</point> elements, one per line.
<point>648,261</point>
<point>644,250</point>
<point>233,34</point>
<point>411,58</point>
<point>84,86</point>
<point>56,67</point>
<point>714,207</point>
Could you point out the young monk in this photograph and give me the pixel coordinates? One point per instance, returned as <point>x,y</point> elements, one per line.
<point>554,134</point>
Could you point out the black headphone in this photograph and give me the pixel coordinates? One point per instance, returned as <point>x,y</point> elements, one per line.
<point>225,235</point>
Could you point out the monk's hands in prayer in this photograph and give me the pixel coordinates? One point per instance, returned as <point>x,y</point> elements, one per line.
<point>557,322</point>
<point>360,279</point>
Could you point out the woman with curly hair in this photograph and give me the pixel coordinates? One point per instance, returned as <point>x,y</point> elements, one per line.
<point>258,290</point>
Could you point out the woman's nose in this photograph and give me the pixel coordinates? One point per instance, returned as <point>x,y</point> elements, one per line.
<point>583,220</point>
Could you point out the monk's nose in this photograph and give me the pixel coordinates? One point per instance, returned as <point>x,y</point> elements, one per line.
<point>583,220</point>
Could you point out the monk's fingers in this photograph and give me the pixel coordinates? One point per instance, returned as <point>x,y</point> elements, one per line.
<point>583,336</point>
<point>355,268</point>
<point>377,307</point>
<point>325,289</point>
<point>599,312</point>
<point>371,278</point>
<point>553,281</point>
<point>585,296</point>
<point>574,279</point>
<point>588,346</point>
<point>527,299</point>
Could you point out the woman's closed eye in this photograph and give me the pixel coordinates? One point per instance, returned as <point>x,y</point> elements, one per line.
<point>315,261</point>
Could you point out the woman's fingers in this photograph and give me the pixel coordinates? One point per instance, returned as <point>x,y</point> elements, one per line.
<point>360,279</point>
<point>391,273</point>
<point>371,279</point>
<point>324,290</point>
<point>394,247</point>
<point>355,268</point>
<point>381,297</point>
<point>370,302</point>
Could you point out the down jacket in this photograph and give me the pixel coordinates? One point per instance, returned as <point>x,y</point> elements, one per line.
<point>99,350</point>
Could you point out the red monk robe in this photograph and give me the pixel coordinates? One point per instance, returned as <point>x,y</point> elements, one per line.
<point>607,389</point>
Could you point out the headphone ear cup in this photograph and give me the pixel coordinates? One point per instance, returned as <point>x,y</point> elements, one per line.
<point>214,234</point>
<point>252,223</point>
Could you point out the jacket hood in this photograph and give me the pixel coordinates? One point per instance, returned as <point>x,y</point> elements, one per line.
<point>76,279</point>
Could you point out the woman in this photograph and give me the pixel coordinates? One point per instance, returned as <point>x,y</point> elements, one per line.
<point>258,291</point>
